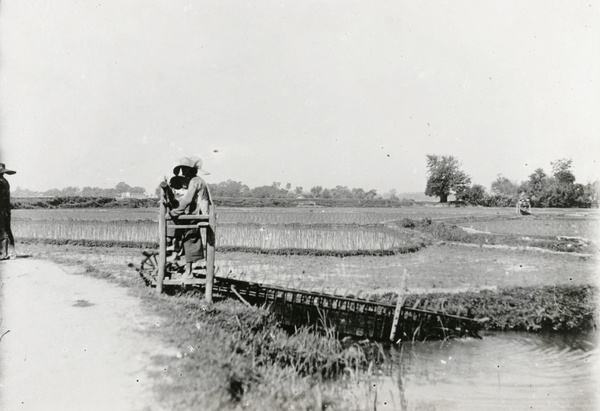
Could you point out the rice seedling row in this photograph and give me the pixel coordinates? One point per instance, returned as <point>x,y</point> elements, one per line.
<point>249,236</point>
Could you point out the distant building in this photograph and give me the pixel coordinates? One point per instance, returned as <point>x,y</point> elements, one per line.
<point>129,194</point>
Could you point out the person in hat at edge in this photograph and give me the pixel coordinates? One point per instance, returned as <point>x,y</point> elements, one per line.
<point>195,202</point>
<point>7,241</point>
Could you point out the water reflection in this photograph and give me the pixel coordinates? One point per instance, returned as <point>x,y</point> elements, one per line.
<point>503,371</point>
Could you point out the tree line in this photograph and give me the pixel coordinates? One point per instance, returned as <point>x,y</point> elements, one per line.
<point>236,189</point>
<point>444,178</point>
<point>559,189</point>
<point>225,189</point>
<point>87,191</point>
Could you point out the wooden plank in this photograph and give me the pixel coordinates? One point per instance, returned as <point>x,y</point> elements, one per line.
<point>162,242</point>
<point>188,226</point>
<point>179,281</point>
<point>198,217</point>
<point>399,304</point>
<point>210,254</point>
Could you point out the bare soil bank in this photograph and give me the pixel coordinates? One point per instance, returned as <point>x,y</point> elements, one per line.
<point>72,342</point>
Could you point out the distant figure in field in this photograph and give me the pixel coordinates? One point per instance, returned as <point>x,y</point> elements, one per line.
<point>7,241</point>
<point>523,205</point>
<point>195,201</point>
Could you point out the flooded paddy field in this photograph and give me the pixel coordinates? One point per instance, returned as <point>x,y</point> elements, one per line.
<point>504,370</point>
<point>356,250</point>
<point>438,268</point>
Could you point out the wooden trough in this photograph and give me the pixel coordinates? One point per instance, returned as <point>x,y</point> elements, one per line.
<point>350,316</point>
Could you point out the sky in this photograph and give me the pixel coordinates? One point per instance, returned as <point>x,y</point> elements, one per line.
<point>351,93</point>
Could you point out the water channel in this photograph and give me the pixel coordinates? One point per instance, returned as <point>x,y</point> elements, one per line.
<point>502,371</point>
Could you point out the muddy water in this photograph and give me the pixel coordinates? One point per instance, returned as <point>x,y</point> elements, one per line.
<point>502,371</point>
<point>435,268</point>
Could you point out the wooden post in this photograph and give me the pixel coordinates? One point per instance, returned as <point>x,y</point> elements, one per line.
<point>399,304</point>
<point>162,241</point>
<point>210,253</point>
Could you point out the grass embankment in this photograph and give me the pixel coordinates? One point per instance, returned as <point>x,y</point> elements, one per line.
<point>238,357</point>
<point>563,308</point>
<point>409,248</point>
<point>89,243</point>
<point>450,231</point>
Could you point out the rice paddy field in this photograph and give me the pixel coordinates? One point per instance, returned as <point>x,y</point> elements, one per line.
<point>351,250</point>
<point>523,273</point>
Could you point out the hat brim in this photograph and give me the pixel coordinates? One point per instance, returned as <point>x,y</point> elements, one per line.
<point>5,171</point>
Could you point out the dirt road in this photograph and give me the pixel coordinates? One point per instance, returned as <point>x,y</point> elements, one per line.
<point>72,342</point>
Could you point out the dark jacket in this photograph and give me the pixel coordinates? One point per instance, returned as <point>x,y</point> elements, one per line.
<point>195,201</point>
<point>5,231</point>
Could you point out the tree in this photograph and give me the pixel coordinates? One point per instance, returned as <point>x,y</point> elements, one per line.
<point>561,169</point>
<point>122,187</point>
<point>230,188</point>
<point>358,193</point>
<point>536,187</point>
<point>537,180</point>
<point>505,188</point>
<point>371,194</point>
<point>473,195</point>
<point>444,177</point>
<point>560,190</point>
<point>591,192</point>
<point>316,191</point>
<point>341,192</point>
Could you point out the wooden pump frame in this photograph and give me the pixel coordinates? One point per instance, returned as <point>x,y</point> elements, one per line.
<point>201,222</point>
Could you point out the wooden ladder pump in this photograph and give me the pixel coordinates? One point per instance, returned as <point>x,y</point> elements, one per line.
<point>200,222</point>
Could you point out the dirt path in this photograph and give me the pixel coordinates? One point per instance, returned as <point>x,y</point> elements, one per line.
<point>72,342</point>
